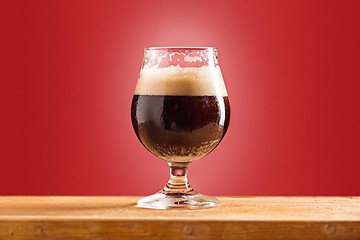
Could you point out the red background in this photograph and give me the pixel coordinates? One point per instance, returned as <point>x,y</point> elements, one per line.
<point>69,69</point>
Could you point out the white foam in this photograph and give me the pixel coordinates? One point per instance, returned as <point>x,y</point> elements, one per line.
<point>177,81</point>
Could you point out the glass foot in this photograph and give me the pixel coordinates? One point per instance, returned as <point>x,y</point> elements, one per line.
<point>170,201</point>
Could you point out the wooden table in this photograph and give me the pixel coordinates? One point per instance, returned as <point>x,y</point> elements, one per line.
<point>236,218</point>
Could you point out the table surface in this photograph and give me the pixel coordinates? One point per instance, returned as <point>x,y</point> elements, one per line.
<point>236,217</point>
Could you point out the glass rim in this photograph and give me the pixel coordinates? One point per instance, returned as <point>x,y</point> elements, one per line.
<point>181,48</point>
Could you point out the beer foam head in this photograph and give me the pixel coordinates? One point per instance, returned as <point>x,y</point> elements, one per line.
<point>177,81</point>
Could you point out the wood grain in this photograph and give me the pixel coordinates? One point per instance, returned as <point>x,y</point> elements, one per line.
<point>236,218</point>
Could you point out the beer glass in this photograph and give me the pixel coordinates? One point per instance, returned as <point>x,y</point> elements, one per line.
<point>180,112</point>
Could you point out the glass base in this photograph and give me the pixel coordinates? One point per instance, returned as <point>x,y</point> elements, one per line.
<point>177,200</point>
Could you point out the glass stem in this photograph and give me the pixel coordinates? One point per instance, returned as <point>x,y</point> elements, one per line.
<point>178,182</point>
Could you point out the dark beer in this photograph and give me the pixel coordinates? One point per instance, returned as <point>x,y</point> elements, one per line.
<point>180,128</point>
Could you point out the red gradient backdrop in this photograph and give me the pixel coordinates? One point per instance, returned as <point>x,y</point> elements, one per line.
<point>69,69</point>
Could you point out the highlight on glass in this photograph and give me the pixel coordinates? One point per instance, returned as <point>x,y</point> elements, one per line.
<point>180,112</point>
